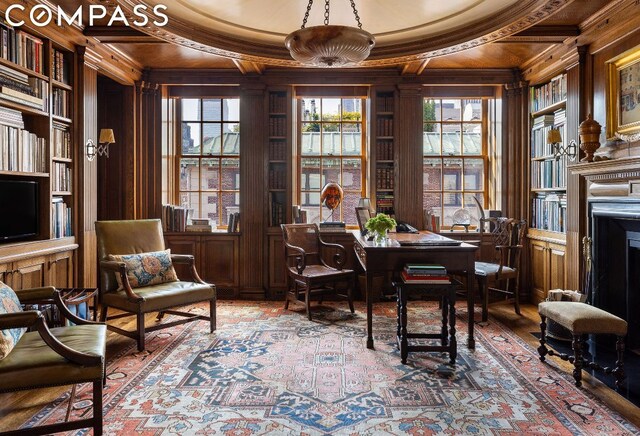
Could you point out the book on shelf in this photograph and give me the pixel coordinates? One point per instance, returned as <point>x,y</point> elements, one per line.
<point>332,226</point>
<point>61,218</point>
<point>61,141</point>
<point>299,214</point>
<point>425,280</point>
<point>21,48</point>
<point>11,118</point>
<point>60,67</point>
<point>174,218</point>
<point>430,221</point>
<point>21,150</point>
<point>233,223</point>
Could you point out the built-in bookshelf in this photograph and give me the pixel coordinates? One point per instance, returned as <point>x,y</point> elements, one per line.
<point>548,171</point>
<point>279,153</point>
<point>383,140</point>
<point>36,96</point>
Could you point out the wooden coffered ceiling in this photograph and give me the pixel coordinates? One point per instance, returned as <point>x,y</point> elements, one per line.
<point>412,36</point>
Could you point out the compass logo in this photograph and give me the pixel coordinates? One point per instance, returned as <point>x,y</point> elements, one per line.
<point>43,15</point>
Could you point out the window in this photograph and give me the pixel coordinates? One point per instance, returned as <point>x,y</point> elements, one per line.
<point>209,157</point>
<point>454,156</point>
<point>331,149</point>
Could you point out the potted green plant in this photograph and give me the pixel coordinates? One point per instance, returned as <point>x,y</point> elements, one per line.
<point>379,225</point>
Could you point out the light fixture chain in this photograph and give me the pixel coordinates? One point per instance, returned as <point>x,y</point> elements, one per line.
<point>355,12</point>
<point>306,14</point>
<point>326,12</point>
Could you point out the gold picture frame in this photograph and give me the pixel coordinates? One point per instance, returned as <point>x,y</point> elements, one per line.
<point>623,94</point>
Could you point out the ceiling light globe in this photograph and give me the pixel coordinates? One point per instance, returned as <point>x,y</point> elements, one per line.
<point>329,45</point>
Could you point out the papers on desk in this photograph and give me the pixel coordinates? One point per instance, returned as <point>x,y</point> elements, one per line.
<point>425,239</point>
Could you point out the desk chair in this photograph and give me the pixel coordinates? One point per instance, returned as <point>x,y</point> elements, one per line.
<point>307,272</point>
<point>503,267</point>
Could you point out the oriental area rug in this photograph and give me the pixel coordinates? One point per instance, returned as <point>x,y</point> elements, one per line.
<point>270,371</point>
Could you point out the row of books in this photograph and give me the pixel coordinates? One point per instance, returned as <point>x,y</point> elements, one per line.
<point>22,48</point>
<point>277,103</point>
<point>549,93</point>
<point>60,218</point>
<point>384,203</point>
<point>384,103</point>
<point>233,225</point>
<point>549,212</point>
<point>277,126</point>
<point>61,103</point>
<point>299,214</point>
<point>11,117</point>
<point>549,173</point>
<point>384,178</point>
<point>21,150</point>
<point>60,67</point>
<point>539,132</point>
<point>384,127</point>
<point>18,87</point>
<point>430,221</point>
<point>277,179</point>
<point>425,274</point>
<point>276,209</point>
<point>384,150</point>
<point>277,150</point>
<point>60,177</point>
<point>61,141</point>
<point>174,218</point>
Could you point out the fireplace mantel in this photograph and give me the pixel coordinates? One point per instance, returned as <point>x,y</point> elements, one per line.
<point>615,177</point>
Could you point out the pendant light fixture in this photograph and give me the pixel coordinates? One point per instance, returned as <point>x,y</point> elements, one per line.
<point>329,45</point>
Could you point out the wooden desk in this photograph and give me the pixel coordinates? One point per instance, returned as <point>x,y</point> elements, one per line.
<point>459,259</point>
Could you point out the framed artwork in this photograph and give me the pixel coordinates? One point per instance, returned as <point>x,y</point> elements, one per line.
<point>362,215</point>
<point>623,94</point>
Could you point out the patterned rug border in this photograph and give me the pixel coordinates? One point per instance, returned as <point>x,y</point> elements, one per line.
<point>176,338</point>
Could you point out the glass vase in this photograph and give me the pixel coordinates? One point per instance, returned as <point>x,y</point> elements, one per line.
<point>380,238</point>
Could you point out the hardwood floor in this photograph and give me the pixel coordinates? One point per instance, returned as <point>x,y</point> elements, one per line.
<point>16,408</point>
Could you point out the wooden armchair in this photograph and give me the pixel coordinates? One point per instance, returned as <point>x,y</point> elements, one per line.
<point>54,357</point>
<point>117,239</point>
<point>308,274</point>
<point>497,274</point>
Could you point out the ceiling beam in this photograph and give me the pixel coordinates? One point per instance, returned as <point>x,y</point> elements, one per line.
<point>541,33</point>
<point>120,34</point>
<point>415,67</point>
<point>248,67</point>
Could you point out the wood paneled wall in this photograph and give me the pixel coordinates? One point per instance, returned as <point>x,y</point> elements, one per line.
<point>408,148</point>
<point>86,172</point>
<point>252,198</point>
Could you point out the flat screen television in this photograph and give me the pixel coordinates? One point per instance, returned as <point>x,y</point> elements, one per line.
<point>19,218</point>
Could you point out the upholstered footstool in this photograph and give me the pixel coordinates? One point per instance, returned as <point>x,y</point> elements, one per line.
<point>582,319</point>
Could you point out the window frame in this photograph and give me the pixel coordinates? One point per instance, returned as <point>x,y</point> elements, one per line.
<point>484,156</point>
<point>363,156</point>
<point>222,219</point>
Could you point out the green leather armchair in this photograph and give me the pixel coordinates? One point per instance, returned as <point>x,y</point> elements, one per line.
<point>54,357</point>
<point>143,236</point>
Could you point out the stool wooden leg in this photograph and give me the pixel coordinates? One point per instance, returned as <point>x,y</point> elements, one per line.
<point>399,314</point>
<point>619,371</point>
<point>542,349</point>
<point>404,341</point>
<point>453,345</point>
<point>577,359</point>
<point>443,332</point>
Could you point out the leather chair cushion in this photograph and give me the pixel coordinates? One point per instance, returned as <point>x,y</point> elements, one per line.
<point>159,297</point>
<point>9,303</point>
<point>146,269</point>
<point>581,318</point>
<point>487,269</point>
<point>33,364</point>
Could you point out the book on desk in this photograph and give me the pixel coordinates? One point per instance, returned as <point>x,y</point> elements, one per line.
<point>425,274</point>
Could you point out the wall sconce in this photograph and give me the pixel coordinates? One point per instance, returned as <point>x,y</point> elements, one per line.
<point>555,139</point>
<point>102,147</point>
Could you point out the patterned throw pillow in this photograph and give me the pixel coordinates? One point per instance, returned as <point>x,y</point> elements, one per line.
<point>145,269</point>
<point>9,303</point>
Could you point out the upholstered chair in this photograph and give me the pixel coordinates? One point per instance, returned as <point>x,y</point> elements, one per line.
<point>137,277</point>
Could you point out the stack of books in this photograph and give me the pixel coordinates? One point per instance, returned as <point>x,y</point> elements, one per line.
<point>332,226</point>
<point>20,88</point>
<point>425,274</point>
<point>199,225</point>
